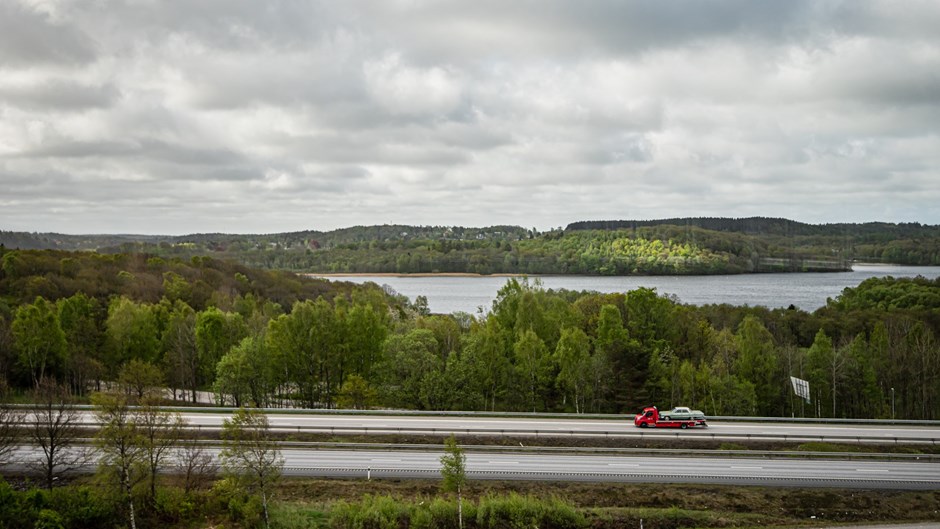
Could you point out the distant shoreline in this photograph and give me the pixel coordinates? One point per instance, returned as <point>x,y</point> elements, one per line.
<point>470,274</point>
<point>420,274</point>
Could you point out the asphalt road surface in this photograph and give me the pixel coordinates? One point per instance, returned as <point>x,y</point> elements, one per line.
<point>607,468</point>
<point>584,427</point>
<point>374,463</point>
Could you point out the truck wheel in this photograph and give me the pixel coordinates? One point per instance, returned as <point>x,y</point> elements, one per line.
<point>684,425</point>
<point>643,425</point>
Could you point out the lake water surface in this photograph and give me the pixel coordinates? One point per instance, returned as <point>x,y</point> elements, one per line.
<point>807,291</point>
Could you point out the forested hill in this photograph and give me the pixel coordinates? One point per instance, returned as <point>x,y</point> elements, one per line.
<point>200,282</point>
<point>268,338</point>
<point>772,226</point>
<point>664,247</point>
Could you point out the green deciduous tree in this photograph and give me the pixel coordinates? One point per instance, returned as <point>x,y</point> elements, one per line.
<point>533,367</point>
<point>180,356</point>
<point>365,332</point>
<point>356,393</point>
<point>244,373</point>
<point>250,456</point>
<point>573,357</point>
<point>411,369</point>
<point>826,365</point>
<point>216,333</point>
<point>306,347</point>
<point>756,362</point>
<point>486,359</point>
<point>38,339</point>
<point>78,318</point>
<point>141,379</point>
<point>132,332</point>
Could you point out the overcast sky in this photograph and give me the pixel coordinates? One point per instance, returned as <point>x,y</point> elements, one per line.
<point>247,116</point>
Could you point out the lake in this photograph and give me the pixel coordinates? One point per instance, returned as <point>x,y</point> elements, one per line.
<point>807,291</point>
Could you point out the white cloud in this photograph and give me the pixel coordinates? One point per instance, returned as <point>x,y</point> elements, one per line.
<point>240,116</point>
<point>411,91</point>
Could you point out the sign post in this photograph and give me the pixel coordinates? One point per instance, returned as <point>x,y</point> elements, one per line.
<point>801,389</point>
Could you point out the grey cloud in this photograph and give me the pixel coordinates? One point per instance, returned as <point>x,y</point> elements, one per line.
<point>886,18</point>
<point>60,94</point>
<point>272,79</point>
<point>239,25</point>
<point>436,31</point>
<point>79,149</point>
<point>385,146</point>
<point>28,38</point>
<point>185,155</point>
<point>146,148</point>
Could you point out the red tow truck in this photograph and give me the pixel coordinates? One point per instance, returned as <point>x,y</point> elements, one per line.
<point>650,418</point>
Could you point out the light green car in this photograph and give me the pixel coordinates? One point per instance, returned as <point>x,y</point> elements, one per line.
<point>681,413</point>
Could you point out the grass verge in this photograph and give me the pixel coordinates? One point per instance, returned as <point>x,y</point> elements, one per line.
<point>309,502</point>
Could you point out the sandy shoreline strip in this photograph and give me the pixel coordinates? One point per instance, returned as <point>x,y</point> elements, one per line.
<point>428,274</point>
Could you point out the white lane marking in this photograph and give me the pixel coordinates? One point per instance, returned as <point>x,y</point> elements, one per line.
<point>747,468</point>
<point>385,460</point>
<point>871,470</point>
<point>631,465</point>
<point>500,462</point>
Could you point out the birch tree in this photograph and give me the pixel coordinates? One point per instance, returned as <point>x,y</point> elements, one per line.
<point>454,472</point>
<point>121,444</point>
<point>250,456</point>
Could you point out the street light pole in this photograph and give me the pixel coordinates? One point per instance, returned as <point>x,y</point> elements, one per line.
<point>892,403</point>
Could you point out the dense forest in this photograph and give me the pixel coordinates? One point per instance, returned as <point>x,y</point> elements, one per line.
<point>272,339</point>
<point>661,247</point>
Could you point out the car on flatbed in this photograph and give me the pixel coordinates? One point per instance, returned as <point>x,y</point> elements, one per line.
<point>681,413</point>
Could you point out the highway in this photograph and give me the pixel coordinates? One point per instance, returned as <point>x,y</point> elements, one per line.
<point>526,427</point>
<point>555,467</point>
<point>483,465</point>
<point>367,461</point>
<point>339,423</point>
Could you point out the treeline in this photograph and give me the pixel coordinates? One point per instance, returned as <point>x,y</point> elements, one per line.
<point>670,246</point>
<point>872,352</point>
<point>198,281</point>
<point>902,243</point>
<point>659,250</point>
<point>771,226</point>
<point>79,317</point>
<point>666,250</point>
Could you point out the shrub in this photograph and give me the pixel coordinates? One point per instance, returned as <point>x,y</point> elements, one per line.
<point>438,513</point>
<point>241,507</point>
<point>373,512</point>
<point>11,509</point>
<point>285,516</point>
<point>84,506</point>
<point>816,446</point>
<point>519,512</point>
<point>48,519</point>
<point>172,504</point>
<point>245,510</point>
